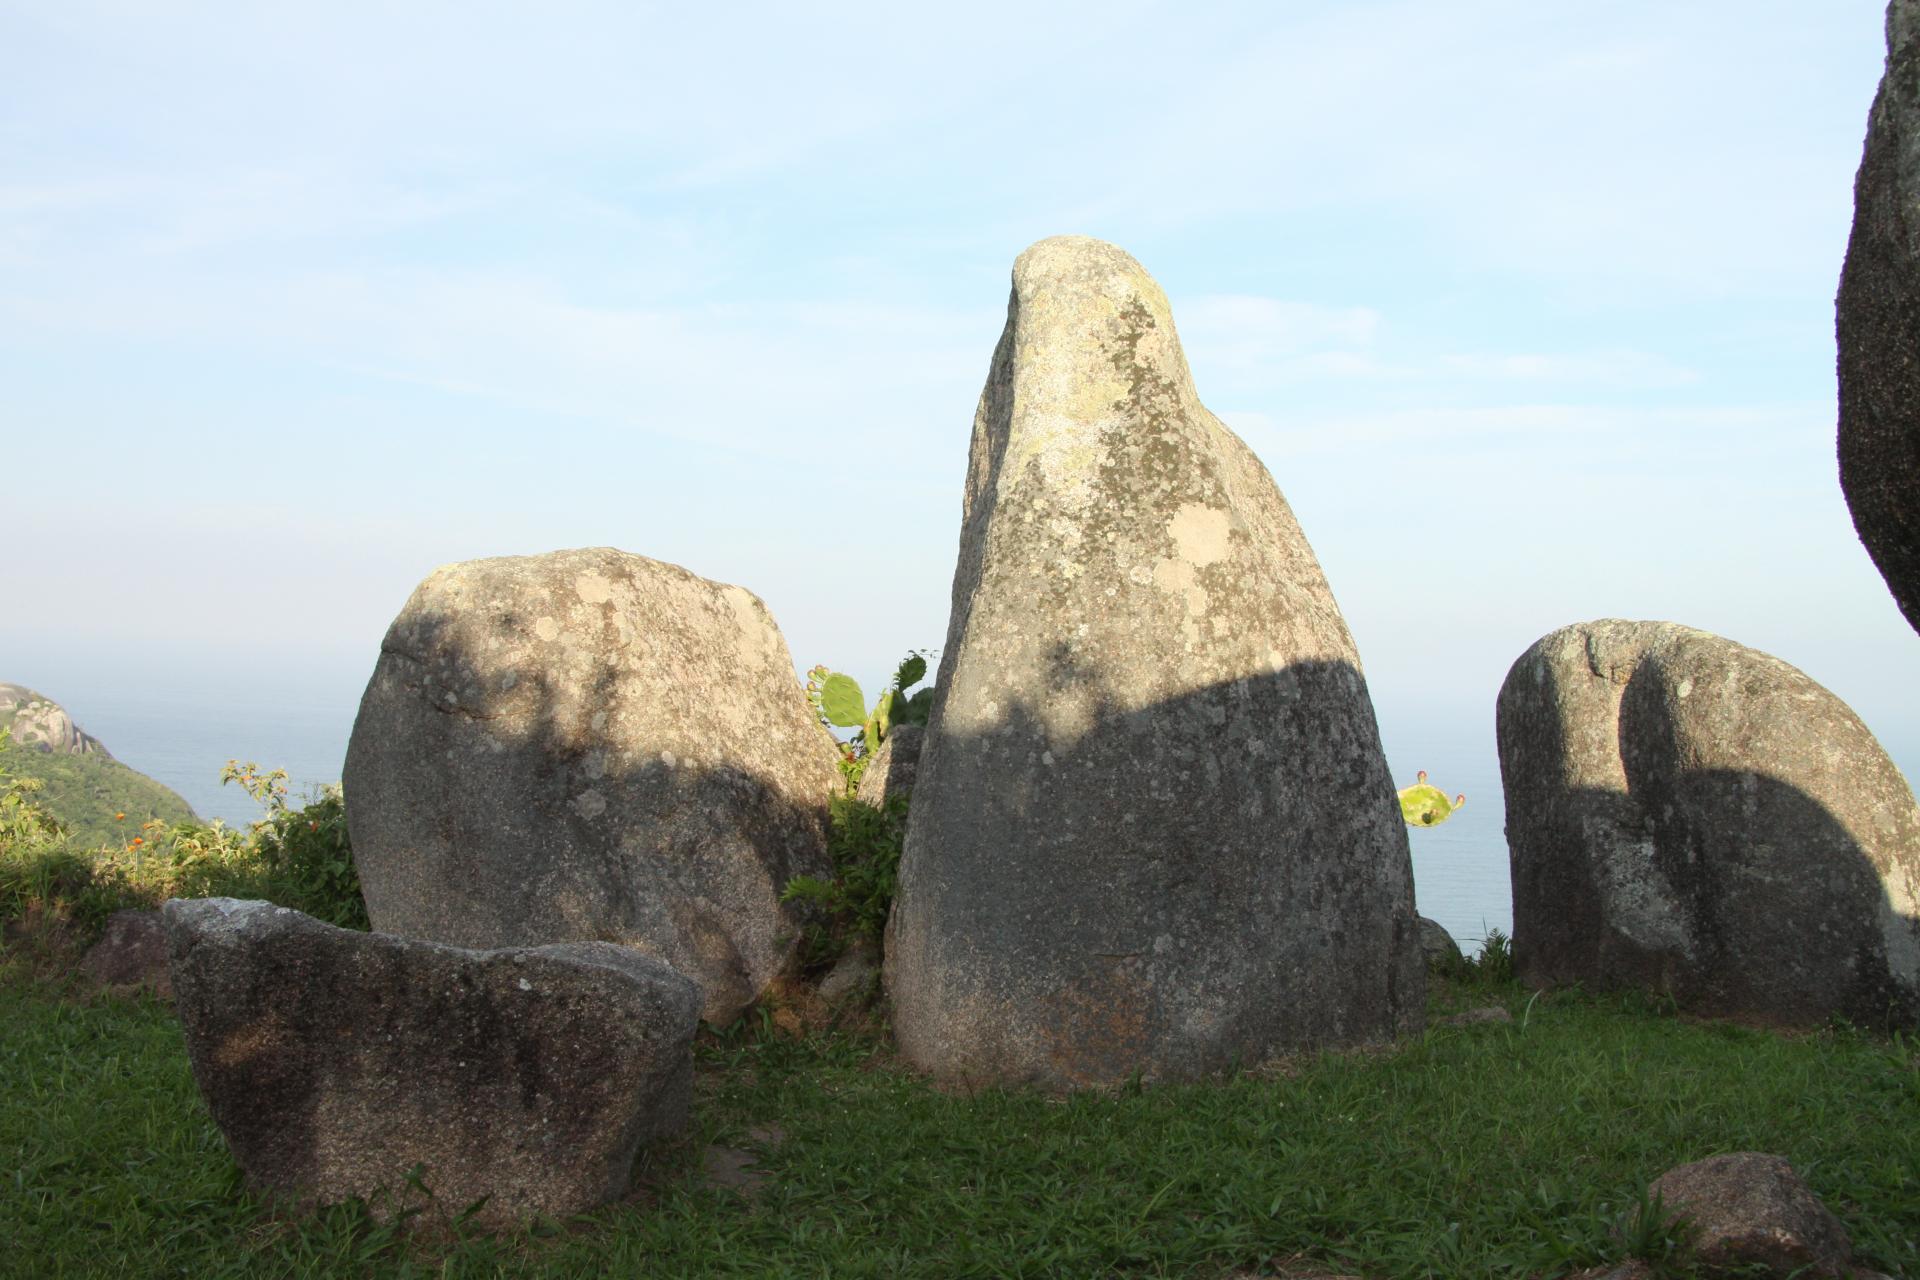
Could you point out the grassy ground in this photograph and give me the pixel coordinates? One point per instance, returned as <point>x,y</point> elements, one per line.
<point>1484,1150</point>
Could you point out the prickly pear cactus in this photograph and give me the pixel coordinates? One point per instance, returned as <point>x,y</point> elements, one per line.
<point>1425,805</point>
<point>838,700</point>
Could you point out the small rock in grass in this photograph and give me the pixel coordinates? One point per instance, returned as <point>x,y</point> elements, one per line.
<point>339,1063</point>
<point>1439,948</point>
<point>1750,1210</point>
<point>851,977</point>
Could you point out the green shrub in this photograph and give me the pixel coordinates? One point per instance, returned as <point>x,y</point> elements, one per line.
<point>864,844</point>
<point>295,857</point>
<point>1494,964</point>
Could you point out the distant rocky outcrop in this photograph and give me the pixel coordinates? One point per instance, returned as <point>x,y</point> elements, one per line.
<point>97,799</point>
<point>1153,831</point>
<point>343,1064</point>
<point>1688,815</point>
<point>1877,324</point>
<point>39,722</point>
<point>591,745</point>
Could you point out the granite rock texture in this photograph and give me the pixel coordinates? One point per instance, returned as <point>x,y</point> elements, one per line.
<point>1153,829</point>
<point>591,746</point>
<point>1442,953</point>
<point>1751,1214</point>
<point>895,767</point>
<point>335,1062</point>
<point>37,721</point>
<point>1877,324</point>
<point>1688,815</point>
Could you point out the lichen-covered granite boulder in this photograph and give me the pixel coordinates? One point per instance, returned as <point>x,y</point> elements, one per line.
<point>1877,324</point>
<point>336,1063</point>
<point>1153,830</point>
<point>1688,815</point>
<point>591,746</point>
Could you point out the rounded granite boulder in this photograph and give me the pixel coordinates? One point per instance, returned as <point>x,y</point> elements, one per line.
<point>591,746</point>
<point>1688,815</point>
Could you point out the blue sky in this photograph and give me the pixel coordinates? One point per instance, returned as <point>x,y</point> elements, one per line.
<point>1527,307</point>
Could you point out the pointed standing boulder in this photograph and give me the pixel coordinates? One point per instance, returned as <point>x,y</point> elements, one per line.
<point>1877,322</point>
<point>591,746</point>
<point>1153,831</point>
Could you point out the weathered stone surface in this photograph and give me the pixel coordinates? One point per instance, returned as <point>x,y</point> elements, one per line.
<point>1692,816</point>
<point>131,952</point>
<point>895,766</point>
<point>37,721</point>
<point>1438,947</point>
<point>591,745</point>
<point>851,977</point>
<point>1877,324</point>
<point>1153,829</point>
<point>335,1061</point>
<point>1752,1210</point>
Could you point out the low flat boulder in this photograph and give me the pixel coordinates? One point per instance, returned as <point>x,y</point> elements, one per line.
<point>336,1063</point>
<point>1691,816</point>
<point>591,746</point>
<point>1750,1214</point>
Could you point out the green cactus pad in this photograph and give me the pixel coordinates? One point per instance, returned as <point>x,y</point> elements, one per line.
<point>842,701</point>
<point>1425,805</point>
<point>911,672</point>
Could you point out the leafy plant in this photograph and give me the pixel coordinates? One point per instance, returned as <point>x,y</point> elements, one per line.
<point>864,843</point>
<point>296,857</point>
<point>1494,964</point>
<point>306,851</point>
<point>840,702</point>
<point>1656,1235</point>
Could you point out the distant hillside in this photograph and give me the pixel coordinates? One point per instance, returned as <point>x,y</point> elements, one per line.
<point>84,786</point>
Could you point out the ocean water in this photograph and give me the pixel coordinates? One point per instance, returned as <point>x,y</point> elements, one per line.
<point>183,742</point>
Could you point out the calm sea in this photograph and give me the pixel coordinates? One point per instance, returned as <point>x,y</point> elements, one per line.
<point>1459,868</point>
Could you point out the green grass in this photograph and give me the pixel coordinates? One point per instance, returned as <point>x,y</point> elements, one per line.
<point>1488,1150</point>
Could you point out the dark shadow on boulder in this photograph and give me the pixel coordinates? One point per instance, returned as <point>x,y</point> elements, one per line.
<point>1732,891</point>
<point>1205,882</point>
<point>506,823</point>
